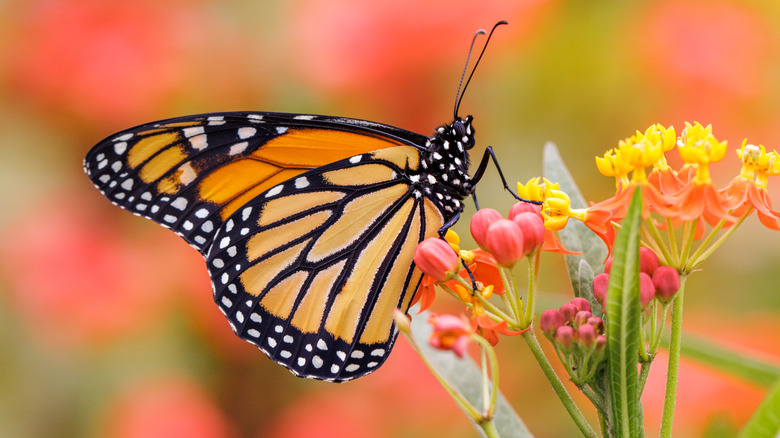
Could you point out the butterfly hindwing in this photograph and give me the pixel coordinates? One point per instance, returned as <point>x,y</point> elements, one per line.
<point>311,270</point>
<point>190,173</point>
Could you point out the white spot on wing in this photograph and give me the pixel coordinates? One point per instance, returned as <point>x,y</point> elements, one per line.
<point>179,203</point>
<point>246,132</point>
<point>281,129</point>
<point>303,117</point>
<point>238,148</point>
<point>301,182</point>
<point>192,131</point>
<point>199,142</point>
<point>274,191</point>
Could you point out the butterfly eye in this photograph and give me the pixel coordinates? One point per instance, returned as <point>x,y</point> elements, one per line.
<point>460,128</point>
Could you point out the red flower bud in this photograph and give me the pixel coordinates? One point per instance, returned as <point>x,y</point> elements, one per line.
<point>532,226</point>
<point>504,241</point>
<point>586,334</point>
<point>597,323</point>
<point>568,311</point>
<point>581,318</point>
<point>524,207</point>
<point>564,336</point>
<point>600,284</point>
<point>608,265</point>
<point>580,304</point>
<point>435,257</point>
<point>480,222</point>
<point>646,289</point>
<point>667,282</point>
<point>648,260</point>
<point>550,321</point>
<point>601,342</point>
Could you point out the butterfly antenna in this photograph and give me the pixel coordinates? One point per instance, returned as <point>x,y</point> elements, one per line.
<point>462,90</point>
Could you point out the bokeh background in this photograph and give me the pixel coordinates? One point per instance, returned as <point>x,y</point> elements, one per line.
<point>106,323</point>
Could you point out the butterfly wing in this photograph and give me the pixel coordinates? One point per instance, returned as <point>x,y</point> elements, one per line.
<point>190,173</point>
<point>311,270</point>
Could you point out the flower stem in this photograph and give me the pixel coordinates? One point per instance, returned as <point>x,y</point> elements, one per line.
<point>674,362</point>
<point>533,281</point>
<point>568,403</point>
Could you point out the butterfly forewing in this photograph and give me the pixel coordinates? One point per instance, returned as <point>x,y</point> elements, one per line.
<point>311,270</point>
<point>190,173</point>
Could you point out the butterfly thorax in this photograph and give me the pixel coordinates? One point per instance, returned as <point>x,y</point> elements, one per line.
<point>445,163</point>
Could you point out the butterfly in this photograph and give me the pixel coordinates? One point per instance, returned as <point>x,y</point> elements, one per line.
<point>308,223</point>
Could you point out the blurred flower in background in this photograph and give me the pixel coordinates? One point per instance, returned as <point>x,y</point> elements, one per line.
<point>106,320</point>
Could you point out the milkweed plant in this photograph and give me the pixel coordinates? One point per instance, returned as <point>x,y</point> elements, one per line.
<point>660,226</point>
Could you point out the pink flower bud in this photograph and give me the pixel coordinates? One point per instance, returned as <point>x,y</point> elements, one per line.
<point>586,334</point>
<point>597,323</point>
<point>524,207</point>
<point>564,336</point>
<point>532,226</point>
<point>608,265</point>
<point>504,241</point>
<point>480,222</point>
<point>648,260</point>
<point>667,282</point>
<point>581,318</point>
<point>550,321</point>
<point>646,289</point>
<point>436,258</point>
<point>601,342</point>
<point>600,284</point>
<point>580,304</point>
<point>568,311</point>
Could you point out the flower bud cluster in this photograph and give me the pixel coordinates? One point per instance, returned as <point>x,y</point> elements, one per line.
<point>578,338</point>
<point>655,281</point>
<point>508,240</point>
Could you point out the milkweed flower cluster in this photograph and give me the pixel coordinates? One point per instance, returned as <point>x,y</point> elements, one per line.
<point>578,338</point>
<point>673,198</point>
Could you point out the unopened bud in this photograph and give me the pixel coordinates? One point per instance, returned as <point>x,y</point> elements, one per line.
<point>667,282</point>
<point>646,289</point>
<point>586,334</point>
<point>568,310</point>
<point>550,321</point>
<point>600,285</point>
<point>581,318</point>
<point>564,336</point>
<point>480,221</point>
<point>648,260</point>
<point>580,304</point>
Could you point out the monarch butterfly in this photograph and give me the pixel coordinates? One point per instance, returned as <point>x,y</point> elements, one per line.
<point>308,224</point>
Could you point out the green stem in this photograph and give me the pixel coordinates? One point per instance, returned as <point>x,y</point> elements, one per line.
<point>533,281</point>
<point>493,360</point>
<point>674,362</point>
<point>557,385</point>
<point>490,429</point>
<point>643,373</point>
<point>672,243</point>
<point>511,293</point>
<point>700,256</point>
<point>658,242</point>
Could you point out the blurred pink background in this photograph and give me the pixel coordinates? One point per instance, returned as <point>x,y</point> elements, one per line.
<point>106,323</point>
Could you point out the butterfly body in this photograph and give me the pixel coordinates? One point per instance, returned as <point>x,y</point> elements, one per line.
<point>308,224</point>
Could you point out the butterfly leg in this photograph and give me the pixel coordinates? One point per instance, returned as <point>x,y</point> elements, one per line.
<point>481,172</point>
<point>442,231</point>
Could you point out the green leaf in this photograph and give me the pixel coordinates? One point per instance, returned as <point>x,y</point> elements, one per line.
<point>766,420</point>
<point>465,376</point>
<point>739,364</point>
<point>623,319</point>
<point>576,236</point>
